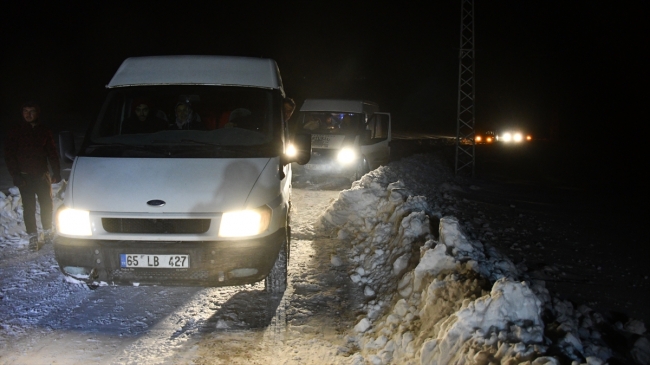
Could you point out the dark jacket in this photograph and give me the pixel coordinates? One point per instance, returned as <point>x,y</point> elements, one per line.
<point>150,125</point>
<point>28,150</point>
<point>194,123</point>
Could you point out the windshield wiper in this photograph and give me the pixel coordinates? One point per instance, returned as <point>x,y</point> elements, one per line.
<point>202,142</point>
<point>220,147</point>
<point>132,146</point>
<point>246,150</point>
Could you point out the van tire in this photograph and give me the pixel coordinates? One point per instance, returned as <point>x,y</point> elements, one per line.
<point>276,281</point>
<point>362,169</point>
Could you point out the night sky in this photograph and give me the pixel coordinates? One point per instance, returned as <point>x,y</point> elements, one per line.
<point>574,65</point>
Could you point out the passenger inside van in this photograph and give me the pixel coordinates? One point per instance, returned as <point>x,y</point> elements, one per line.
<point>330,123</point>
<point>241,118</point>
<point>312,124</point>
<point>143,119</point>
<point>186,118</point>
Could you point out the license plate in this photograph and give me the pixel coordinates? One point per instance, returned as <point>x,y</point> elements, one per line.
<point>155,261</point>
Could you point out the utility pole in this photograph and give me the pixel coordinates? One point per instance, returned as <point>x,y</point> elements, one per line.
<point>465,143</point>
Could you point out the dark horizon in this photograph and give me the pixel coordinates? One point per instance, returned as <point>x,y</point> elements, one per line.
<point>538,64</point>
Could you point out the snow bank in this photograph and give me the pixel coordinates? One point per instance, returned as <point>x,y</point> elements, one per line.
<point>449,299</point>
<point>12,226</point>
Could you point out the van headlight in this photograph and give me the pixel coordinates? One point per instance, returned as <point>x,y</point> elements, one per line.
<point>346,155</point>
<point>291,151</point>
<point>73,222</point>
<point>245,222</point>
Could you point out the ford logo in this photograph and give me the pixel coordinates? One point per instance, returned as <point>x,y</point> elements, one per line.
<point>156,203</point>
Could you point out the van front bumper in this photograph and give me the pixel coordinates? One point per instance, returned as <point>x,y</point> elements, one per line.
<point>211,263</point>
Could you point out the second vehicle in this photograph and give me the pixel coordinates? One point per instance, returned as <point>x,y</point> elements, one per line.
<point>348,137</point>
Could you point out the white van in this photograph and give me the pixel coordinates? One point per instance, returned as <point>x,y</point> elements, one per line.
<point>183,178</point>
<point>349,137</point>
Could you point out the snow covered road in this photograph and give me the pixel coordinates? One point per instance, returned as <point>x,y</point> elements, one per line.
<point>48,320</point>
<point>380,273</point>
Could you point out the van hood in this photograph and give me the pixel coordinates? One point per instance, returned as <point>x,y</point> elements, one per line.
<point>125,185</point>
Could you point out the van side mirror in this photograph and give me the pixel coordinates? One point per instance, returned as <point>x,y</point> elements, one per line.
<point>67,150</point>
<point>299,150</point>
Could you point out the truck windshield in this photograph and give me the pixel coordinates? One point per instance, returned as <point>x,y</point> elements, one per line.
<point>332,123</point>
<point>196,121</point>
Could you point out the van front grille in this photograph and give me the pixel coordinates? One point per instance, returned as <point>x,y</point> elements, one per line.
<point>171,226</point>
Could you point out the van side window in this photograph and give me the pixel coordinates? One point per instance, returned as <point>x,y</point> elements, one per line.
<point>378,127</point>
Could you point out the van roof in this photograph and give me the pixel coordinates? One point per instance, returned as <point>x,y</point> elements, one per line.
<point>338,105</point>
<point>198,70</point>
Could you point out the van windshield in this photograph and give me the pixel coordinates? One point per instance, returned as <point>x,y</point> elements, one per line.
<point>186,121</point>
<point>332,123</point>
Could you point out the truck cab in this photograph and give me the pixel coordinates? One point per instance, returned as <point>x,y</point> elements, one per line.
<point>348,137</point>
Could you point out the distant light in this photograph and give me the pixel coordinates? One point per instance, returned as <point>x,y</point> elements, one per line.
<point>488,140</point>
<point>529,137</point>
<point>507,137</point>
<point>478,138</point>
<point>518,137</point>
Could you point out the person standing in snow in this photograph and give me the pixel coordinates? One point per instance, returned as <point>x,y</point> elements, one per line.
<point>29,149</point>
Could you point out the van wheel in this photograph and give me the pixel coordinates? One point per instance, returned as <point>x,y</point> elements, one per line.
<point>362,169</point>
<point>276,281</point>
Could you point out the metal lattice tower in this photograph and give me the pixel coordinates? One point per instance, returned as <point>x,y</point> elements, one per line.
<point>465,143</point>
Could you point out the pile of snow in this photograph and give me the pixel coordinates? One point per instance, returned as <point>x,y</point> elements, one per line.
<point>12,226</point>
<point>445,299</point>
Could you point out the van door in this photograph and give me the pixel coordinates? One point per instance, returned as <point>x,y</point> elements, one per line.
<point>375,145</point>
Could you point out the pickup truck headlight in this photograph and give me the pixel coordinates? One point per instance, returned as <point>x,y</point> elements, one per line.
<point>346,155</point>
<point>245,222</point>
<point>73,222</point>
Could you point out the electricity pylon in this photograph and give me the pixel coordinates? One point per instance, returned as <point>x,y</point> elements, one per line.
<point>465,143</point>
